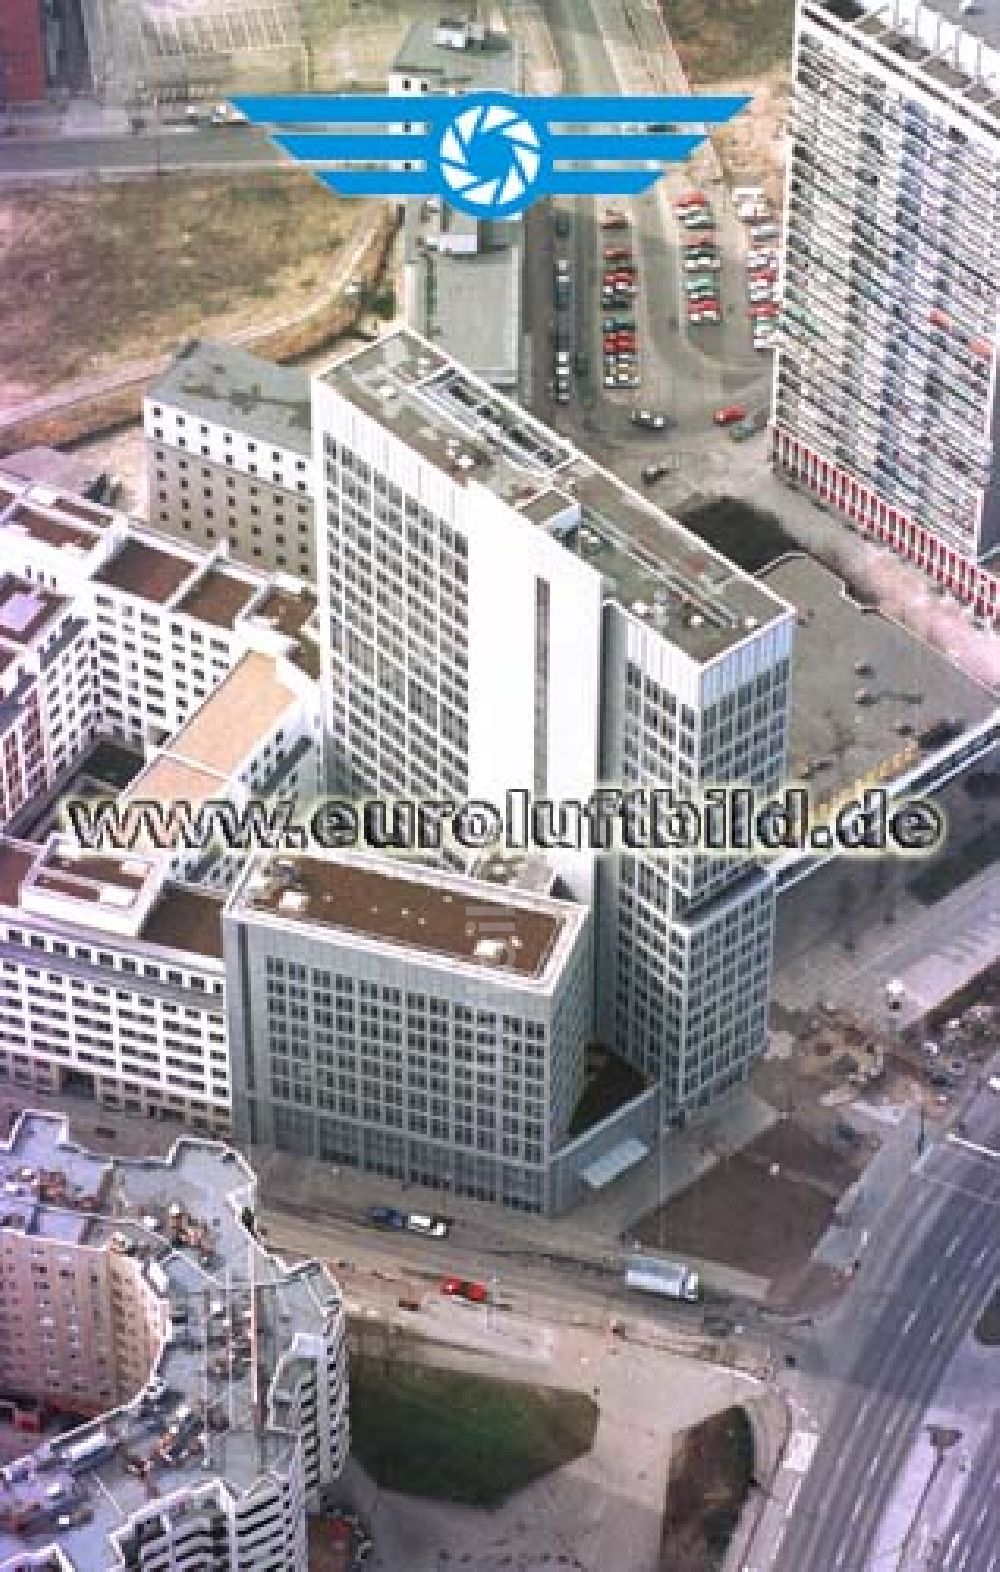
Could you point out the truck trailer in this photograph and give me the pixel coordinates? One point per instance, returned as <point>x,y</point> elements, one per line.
<point>667,1279</point>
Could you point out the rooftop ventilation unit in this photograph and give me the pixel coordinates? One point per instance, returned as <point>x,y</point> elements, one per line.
<point>490,950</point>
<point>293,901</point>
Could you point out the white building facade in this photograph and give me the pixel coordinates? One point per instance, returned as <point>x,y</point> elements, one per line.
<point>885,390</point>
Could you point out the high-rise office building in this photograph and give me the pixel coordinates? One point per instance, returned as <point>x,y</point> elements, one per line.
<point>500,613</point>
<point>885,393</point>
<point>410,1022</point>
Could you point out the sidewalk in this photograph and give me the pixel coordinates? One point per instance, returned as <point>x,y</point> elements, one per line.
<point>78,117</point>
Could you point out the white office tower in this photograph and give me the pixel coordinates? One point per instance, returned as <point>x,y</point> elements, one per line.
<point>692,701</point>
<point>135,1290</point>
<point>502,614</point>
<point>461,642</point>
<point>885,400</point>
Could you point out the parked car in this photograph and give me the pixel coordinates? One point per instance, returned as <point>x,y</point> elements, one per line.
<point>690,200</point>
<point>765,231</point>
<point>650,419</point>
<point>764,308</point>
<point>653,472</point>
<point>386,1217</point>
<point>465,1288</point>
<point>617,254</point>
<point>614,218</point>
<point>561,219</point>
<point>762,259</point>
<point>729,414</point>
<point>429,1227</point>
<point>698,218</point>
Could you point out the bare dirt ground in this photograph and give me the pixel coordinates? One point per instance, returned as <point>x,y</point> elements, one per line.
<point>741,46</point>
<point>763,1209</point>
<point>710,1471</point>
<point>98,276</point>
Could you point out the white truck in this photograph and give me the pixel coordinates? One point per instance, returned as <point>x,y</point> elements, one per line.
<point>668,1279</point>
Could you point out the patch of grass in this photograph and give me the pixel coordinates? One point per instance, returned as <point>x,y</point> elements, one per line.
<point>946,872</point>
<point>609,1084</point>
<point>988,1325</point>
<point>459,1437</point>
<point>76,301</point>
<point>709,1481</point>
<point>730,39</point>
<point>747,535</point>
<point>114,764</point>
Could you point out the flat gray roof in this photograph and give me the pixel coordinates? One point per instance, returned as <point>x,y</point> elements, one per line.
<point>909,685</point>
<point>450,291</point>
<point>478,68</point>
<point>217,382</point>
<point>651,565</point>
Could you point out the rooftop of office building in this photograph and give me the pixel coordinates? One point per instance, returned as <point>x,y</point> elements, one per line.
<point>451,286</point>
<point>151,572</point>
<point>231,387</point>
<point>195,1423</point>
<point>864,689</point>
<point>218,597</point>
<point>956,47</point>
<point>410,907</point>
<point>95,886</point>
<point>650,564</point>
<point>240,712</point>
<point>456,55</point>
<point>25,609</point>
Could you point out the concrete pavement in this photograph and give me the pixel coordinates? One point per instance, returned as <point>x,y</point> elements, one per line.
<point>930,1265</point>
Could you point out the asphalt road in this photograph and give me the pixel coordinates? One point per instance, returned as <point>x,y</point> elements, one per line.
<point>971,1543</point>
<point>173,149</point>
<point>923,1291</point>
<point>541,1288</point>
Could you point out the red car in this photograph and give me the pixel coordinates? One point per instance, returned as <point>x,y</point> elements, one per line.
<point>764,308</point>
<point>729,415</point>
<point>762,276</point>
<point>690,199</point>
<point>465,1288</point>
<point>617,254</point>
<point>699,239</point>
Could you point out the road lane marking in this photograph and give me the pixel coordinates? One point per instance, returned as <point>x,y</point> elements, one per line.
<point>908,1323</point>
<point>972,1146</point>
<point>952,1248</point>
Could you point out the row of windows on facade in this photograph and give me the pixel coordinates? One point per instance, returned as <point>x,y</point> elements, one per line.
<point>124,963</point>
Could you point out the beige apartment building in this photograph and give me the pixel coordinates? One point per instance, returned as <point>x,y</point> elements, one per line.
<point>229,457</point>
